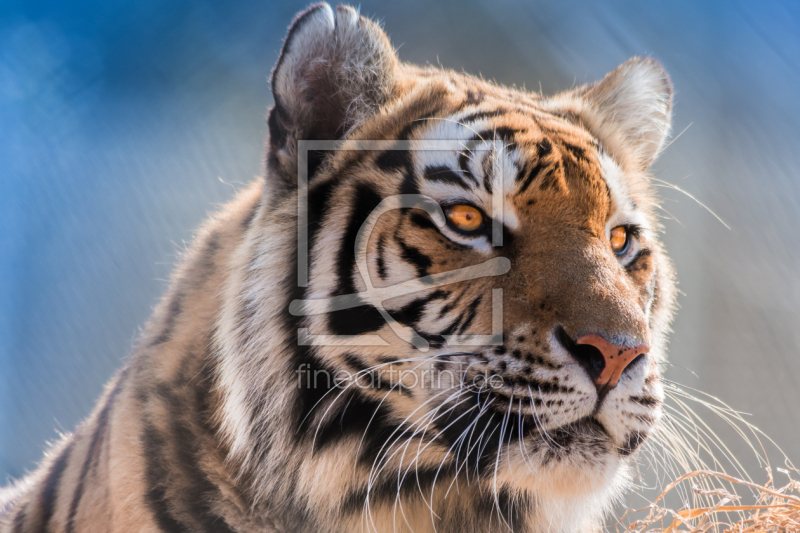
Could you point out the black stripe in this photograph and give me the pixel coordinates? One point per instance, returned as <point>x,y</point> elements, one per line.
<point>386,491</point>
<point>409,184</point>
<point>355,363</point>
<point>369,377</point>
<point>205,265</point>
<point>420,121</point>
<point>181,466</point>
<point>356,415</point>
<point>413,255</point>
<point>471,311</point>
<point>422,221</point>
<point>449,330</point>
<point>319,196</point>
<point>483,505</point>
<point>550,180</point>
<point>314,385</point>
<point>49,493</point>
<point>474,96</point>
<point>513,508</point>
<point>505,133</point>
<point>156,475</point>
<point>577,152</point>
<point>445,174</point>
<point>480,115</point>
<point>485,426</point>
<point>355,321</point>
<point>392,160</point>
<point>463,163</point>
<point>450,306</point>
<point>531,176</point>
<point>633,442</point>
<point>412,312</point>
<point>380,430</point>
<point>365,200</point>
<point>520,174</point>
<point>201,490</point>
<point>380,262</point>
<point>544,147</point>
<point>91,454</point>
<point>646,401</point>
<point>174,308</point>
<point>364,318</point>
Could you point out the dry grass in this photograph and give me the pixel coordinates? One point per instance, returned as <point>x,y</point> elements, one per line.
<point>777,510</point>
<point>707,499</point>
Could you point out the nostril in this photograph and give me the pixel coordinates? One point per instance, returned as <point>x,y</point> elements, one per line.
<point>639,358</point>
<point>588,356</point>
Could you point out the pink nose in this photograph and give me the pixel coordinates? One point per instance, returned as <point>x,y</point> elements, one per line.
<point>617,359</point>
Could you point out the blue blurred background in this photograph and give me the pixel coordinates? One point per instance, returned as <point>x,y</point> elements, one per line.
<point>122,123</point>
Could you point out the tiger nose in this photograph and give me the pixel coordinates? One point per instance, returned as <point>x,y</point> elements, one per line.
<point>615,359</point>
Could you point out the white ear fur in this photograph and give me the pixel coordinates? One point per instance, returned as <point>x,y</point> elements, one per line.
<point>630,110</point>
<point>334,69</point>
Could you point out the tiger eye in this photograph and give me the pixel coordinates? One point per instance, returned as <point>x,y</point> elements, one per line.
<point>464,217</point>
<point>618,239</point>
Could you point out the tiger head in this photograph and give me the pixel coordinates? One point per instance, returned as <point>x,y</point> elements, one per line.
<point>480,290</point>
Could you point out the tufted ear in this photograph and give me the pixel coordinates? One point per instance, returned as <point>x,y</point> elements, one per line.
<point>630,110</point>
<point>335,69</point>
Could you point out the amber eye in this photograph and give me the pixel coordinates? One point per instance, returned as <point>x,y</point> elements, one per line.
<point>619,240</point>
<point>464,218</point>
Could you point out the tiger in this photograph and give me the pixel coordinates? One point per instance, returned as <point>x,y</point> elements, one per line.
<point>444,307</point>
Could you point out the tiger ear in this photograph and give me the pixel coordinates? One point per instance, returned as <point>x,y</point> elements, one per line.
<point>335,69</point>
<point>630,110</point>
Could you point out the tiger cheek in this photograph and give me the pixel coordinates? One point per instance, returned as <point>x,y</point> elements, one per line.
<point>642,272</point>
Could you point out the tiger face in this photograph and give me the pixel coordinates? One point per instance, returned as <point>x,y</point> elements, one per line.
<point>481,297</point>
<point>556,196</point>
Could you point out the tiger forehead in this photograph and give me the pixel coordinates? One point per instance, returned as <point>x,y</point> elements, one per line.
<point>546,152</point>
<point>532,133</point>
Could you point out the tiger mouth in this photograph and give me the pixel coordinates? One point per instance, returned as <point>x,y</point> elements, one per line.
<point>528,414</point>
<point>534,412</point>
<point>587,428</point>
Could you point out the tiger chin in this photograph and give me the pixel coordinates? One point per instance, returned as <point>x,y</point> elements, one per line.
<point>444,308</point>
